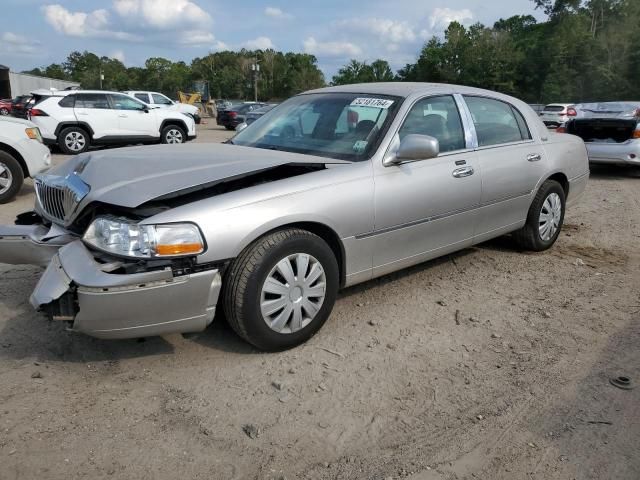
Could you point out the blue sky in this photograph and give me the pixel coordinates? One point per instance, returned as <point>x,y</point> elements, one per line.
<point>37,32</point>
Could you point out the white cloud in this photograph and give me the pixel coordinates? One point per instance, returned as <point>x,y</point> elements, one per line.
<point>220,47</point>
<point>196,38</point>
<point>12,42</point>
<point>260,43</point>
<point>162,14</point>
<point>117,55</point>
<point>331,49</point>
<point>81,24</point>
<point>275,12</point>
<point>388,30</point>
<point>441,17</point>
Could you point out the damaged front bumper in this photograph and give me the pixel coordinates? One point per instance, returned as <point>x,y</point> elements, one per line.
<point>104,304</point>
<point>31,244</point>
<point>109,305</point>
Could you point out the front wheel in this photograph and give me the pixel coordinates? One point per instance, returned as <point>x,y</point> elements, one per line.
<point>4,111</point>
<point>544,219</point>
<point>281,289</point>
<point>172,134</point>
<point>11,177</point>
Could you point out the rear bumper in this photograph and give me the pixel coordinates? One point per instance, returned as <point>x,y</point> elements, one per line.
<point>626,153</point>
<point>107,305</point>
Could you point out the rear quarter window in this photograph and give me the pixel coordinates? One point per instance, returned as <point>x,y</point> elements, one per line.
<point>68,101</point>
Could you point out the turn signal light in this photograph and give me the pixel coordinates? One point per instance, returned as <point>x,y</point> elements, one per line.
<point>179,249</point>
<point>561,129</point>
<point>636,134</point>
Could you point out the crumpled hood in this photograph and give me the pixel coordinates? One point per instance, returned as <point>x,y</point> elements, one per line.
<point>129,177</point>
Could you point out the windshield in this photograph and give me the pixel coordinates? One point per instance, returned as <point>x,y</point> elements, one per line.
<point>345,126</point>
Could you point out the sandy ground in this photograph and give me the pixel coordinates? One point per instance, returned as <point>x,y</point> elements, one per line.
<point>486,364</point>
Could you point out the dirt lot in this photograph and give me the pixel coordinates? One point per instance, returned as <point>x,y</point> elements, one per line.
<point>487,364</point>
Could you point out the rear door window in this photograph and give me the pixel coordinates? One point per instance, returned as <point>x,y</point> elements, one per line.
<point>92,100</point>
<point>142,96</point>
<point>496,122</point>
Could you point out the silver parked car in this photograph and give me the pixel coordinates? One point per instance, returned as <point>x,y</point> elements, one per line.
<point>610,130</point>
<point>334,187</point>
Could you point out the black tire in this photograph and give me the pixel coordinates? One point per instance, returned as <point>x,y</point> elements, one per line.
<point>228,127</point>
<point>246,275</point>
<point>4,111</point>
<point>529,237</point>
<point>10,170</point>
<point>66,140</point>
<point>173,134</point>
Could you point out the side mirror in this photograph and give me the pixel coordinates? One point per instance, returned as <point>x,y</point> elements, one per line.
<point>415,147</point>
<point>241,127</point>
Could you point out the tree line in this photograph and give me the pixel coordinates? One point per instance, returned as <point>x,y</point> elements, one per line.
<point>585,51</point>
<point>228,74</point>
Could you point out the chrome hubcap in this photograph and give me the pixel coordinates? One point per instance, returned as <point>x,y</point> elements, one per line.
<point>550,215</point>
<point>174,136</point>
<point>75,141</point>
<point>293,293</point>
<point>6,179</point>
<point>4,111</point>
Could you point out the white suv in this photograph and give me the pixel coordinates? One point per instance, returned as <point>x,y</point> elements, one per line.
<point>76,119</point>
<point>159,100</point>
<point>555,114</point>
<point>22,155</point>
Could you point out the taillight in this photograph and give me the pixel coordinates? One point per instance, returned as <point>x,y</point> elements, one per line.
<point>36,112</point>
<point>561,129</point>
<point>636,133</point>
<point>233,114</point>
<point>571,112</point>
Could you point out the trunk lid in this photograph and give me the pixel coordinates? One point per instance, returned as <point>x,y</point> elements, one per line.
<point>603,130</point>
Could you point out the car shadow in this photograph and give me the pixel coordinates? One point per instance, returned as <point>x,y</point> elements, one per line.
<point>614,172</point>
<point>29,335</point>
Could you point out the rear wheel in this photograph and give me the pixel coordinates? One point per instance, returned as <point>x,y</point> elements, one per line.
<point>228,127</point>
<point>173,134</point>
<point>544,219</point>
<point>4,111</point>
<point>74,140</point>
<point>11,177</point>
<point>281,289</point>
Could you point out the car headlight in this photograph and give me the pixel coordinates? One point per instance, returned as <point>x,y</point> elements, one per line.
<point>122,236</point>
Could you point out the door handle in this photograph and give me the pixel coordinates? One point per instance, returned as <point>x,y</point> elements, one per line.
<point>463,172</point>
<point>534,157</point>
<point>123,115</point>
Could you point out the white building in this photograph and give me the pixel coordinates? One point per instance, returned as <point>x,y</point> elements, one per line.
<point>15,84</point>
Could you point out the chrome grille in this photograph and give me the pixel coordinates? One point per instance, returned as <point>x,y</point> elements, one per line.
<point>59,196</point>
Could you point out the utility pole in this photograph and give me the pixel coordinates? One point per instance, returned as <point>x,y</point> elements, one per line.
<point>101,75</point>
<point>255,68</point>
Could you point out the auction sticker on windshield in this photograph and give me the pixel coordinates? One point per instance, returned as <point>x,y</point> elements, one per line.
<point>372,102</point>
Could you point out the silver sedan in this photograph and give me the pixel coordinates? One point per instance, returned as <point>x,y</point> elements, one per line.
<point>331,188</point>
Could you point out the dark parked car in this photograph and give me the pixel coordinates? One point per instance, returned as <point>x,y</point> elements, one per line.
<point>234,116</point>
<point>5,106</point>
<point>19,106</point>
<point>257,113</point>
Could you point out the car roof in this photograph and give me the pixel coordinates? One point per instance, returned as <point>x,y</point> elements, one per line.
<point>64,93</point>
<point>406,89</point>
<point>558,104</point>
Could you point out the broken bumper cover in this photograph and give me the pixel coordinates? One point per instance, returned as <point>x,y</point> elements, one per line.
<point>108,305</point>
<point>31,244</point>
